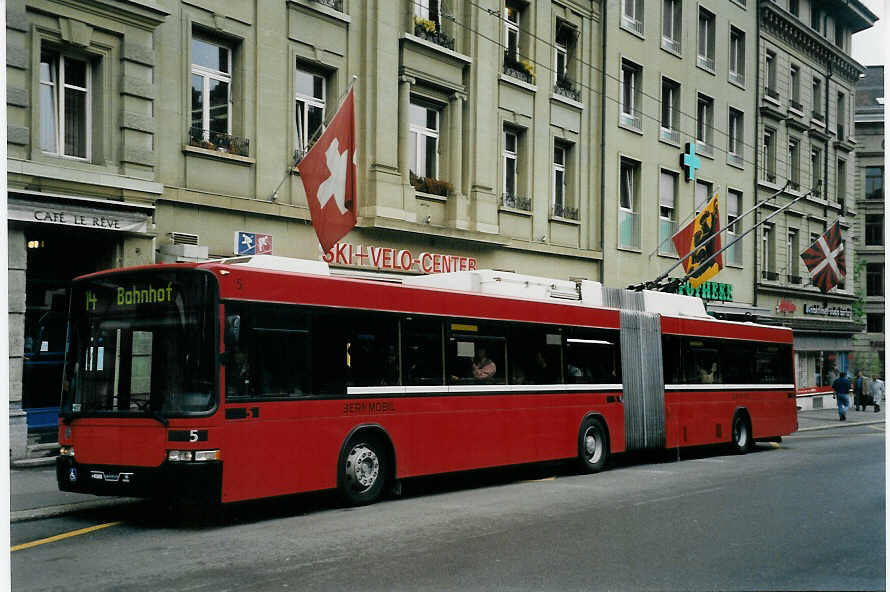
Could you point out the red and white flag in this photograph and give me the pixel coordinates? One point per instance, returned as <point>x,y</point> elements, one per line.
<point>328,174</point>
<point>700,240</point>
<point>825,259</point>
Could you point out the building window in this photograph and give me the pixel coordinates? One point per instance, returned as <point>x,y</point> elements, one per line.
<point>211,88</point>
<point>840,181</point>
<point>310,110</point>
<point>733,226</point>
<point>736,56</point>
<point>736,137</point>
<point>795,89</point>
<point>671,25</point>
<point>770,72</point>
<point>561,207</point>
<point>631,95</point>
<point>874,322</point>
<point>428,10</point>
<point>874,229</point>
<point>628,223</point>
<point>816,168</point>
<point>838,34</point>
<point>632,15</point>
<point>706,22</point>
<point>703,192</point>
<point>815,18</point>
<point>670,110</point>
<point>874,279</point>
<point>704,125</point>
<point>64,105</point>
<point>769,155</point>
<point>841,117</point>
<point>566,36</point>
<point>667,212</point>
<point>424,130</point>
<point>514,64</point>
<point>794,7</point>
<point>817,99</point>
<point>794,163</point>
<point>769,253</point>
<point>874,182</point>
<point>792,247</point>
<point>510,157</point>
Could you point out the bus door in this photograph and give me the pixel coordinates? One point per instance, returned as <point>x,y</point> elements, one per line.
<point>266,372</point>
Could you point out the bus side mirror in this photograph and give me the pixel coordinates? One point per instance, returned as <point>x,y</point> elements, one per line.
<point>233,331</point>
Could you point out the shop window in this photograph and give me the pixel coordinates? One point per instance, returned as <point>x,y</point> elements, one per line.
<point>65,95</point>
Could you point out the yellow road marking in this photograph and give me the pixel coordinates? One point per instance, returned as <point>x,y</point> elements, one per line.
<point>62,536</point>
<point>539,480</point>
<point>774,444</point>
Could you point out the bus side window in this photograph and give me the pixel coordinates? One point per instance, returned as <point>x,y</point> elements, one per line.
<point>671,350</point>
<point>373,355</point>
<point>702,361</point>
<point>736,357</point>
<point>423,351</point>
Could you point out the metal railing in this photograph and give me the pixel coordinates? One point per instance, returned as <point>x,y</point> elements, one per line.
<point>772,276</point>
<point>671,135</point>
<point>516,69</point>
<point>735,159</point>
<point>737,77</point>
<point>436,36</point>
<point>670,44</point>
<point>566,87</point>
<point>508,200</point>
<point>564,211</point>
<point>335,4</point>
<point>704,147</point>
<point>632,120</point>
<point>705,62</point>
<point>210,140</point>
<point>632,24</point>
<point>794,279</point>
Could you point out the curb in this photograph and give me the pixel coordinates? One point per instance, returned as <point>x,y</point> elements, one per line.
<point>33,462</point>
<point>53,511</point>
<point>839,424</point>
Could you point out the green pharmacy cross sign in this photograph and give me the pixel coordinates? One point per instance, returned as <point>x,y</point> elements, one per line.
<point>690,161</point>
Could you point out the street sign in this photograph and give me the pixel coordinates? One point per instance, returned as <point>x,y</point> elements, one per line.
<point>252,243</point>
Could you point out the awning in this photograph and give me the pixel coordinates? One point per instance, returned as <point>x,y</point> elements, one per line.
<point>78,212</point>
<point>822,342</point>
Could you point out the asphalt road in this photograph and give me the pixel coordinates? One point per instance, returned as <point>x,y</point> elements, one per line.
<point>808,514</point>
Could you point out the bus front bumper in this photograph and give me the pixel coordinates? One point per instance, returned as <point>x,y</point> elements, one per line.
<point>199,482</point>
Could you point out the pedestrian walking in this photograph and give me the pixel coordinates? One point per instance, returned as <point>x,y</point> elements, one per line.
<point>858,391</point>
<point>877,391</point>
<point>841,388</point>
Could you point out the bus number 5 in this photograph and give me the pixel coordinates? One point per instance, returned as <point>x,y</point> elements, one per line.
<point>193,436</point>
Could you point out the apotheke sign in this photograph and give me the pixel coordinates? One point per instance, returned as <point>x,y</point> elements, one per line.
<point>390,259</point>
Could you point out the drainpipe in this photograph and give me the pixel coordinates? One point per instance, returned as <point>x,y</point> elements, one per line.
<point>827,131</point>
<point>757,139</point>
<point>603,14</point>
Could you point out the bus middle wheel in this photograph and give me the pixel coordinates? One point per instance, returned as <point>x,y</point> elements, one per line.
<point>742,441</point>
<point>593,445</point>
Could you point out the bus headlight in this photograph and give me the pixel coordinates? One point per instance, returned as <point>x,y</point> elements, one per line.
<point>66,450</point>
<point>192,455</point>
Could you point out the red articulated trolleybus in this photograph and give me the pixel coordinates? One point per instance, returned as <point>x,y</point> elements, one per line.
<point>263,376</point>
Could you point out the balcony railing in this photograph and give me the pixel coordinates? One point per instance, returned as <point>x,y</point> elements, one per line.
<point>670,44</point>
<point>508,200</point>
<point>769,176</point>
<point>794,279</point>
<point>632,24</point>
<point>564,211</point>
<point>769,275</point>
<point>705,62</point>
<point>735,159</point>
<point>430,31</point>
<point>632,120</point>
<point>737,78</point>
<point>671,135</point>
<point>210,140</point>
<point>566,87</point>
<point>628,229</point>
<point>704,148</point>
<point>335,4</point>
<point>771,93</point>
<point>517,69</point>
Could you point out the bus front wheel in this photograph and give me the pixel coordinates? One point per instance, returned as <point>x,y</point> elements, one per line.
<point>593,445</point>
<point>363,471</point>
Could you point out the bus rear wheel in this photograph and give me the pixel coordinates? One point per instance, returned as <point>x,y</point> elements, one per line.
<point>363,471</point>
<point>741,434</point>
<point>593,445</point>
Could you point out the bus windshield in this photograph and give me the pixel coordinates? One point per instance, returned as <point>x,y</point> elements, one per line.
<point>142,343</point>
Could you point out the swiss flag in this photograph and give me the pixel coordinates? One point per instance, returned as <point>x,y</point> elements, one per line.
<point>328,174</point>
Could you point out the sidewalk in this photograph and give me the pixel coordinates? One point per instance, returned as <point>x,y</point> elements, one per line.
<point>34,493</point>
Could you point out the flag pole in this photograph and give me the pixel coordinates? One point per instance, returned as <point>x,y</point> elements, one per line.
<point>678,282</point>
<point>655,283</point>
